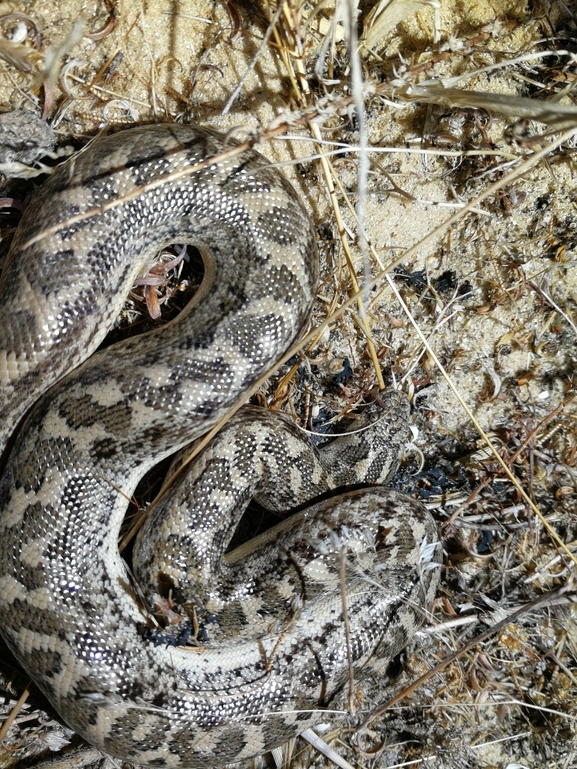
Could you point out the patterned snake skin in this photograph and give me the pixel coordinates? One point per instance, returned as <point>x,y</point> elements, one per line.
<point>267,644</point>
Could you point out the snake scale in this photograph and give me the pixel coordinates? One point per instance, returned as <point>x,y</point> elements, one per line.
<point>268,645</point>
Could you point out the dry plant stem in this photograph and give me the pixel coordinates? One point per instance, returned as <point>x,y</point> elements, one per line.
<point>285,56</point>
<point>230,153</point>
<point>341,148</point>
<point>302,91</point>
<point>540,426</point>
<point>328,174</point>
<point>531,161</point>
<point>475,493</point>
<point>550,301</point>
<point>537,603</point>
<point>14,712</point>
<point>343,576</point>
<point>349,17</point>
<point>321,746</point>
<point>100,91</point>
<point>254,59</point>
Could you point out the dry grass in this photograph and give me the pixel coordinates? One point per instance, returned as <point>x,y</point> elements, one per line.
<point>436,156</point>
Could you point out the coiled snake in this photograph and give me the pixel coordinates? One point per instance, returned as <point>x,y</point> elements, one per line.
<point>268,620</point>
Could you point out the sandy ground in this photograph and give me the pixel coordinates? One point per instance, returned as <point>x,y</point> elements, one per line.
<point>481,322</point>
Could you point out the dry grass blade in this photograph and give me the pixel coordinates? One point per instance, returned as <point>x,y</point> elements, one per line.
<point>321,746</point>
<point>255,58</point>
<point>559,117</point>
<point>117,202</point>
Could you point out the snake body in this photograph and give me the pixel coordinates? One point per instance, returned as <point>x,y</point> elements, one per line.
<point>268,619</point>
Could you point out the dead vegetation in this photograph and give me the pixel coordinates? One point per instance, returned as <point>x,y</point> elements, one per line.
<point>434,144</point>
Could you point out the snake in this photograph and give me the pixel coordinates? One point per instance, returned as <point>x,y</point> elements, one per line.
<point>194,654</point>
